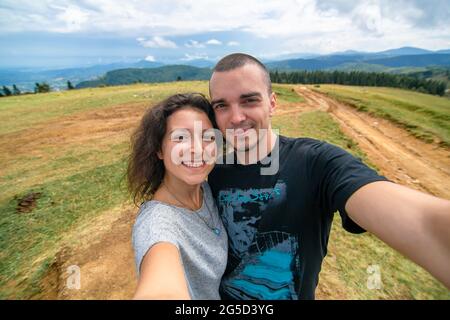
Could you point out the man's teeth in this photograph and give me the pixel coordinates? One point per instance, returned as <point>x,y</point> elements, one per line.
<point>194,164</point>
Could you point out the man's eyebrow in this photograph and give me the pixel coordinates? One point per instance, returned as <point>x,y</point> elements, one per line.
<point>250,94</point>
<point>242,96</point>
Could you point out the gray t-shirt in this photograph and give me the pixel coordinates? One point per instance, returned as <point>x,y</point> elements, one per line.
<point>203,252</point>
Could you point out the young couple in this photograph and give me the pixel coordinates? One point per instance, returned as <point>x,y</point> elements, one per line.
<point>231,231</point>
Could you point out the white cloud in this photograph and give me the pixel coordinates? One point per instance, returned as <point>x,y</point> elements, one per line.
<point>232,43</point>
<point>214,42</point>
<point>198,45</point>
<point>150,58</point>
<point>194,44</point>
<point>157,42</point>
<point>190,57</point>
<point>294,25</point>
<point>73,18</point>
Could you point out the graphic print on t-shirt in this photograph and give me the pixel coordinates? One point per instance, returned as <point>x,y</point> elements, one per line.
<point>262,264</point>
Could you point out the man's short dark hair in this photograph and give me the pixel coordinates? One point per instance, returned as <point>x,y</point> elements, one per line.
<point>237,60</point>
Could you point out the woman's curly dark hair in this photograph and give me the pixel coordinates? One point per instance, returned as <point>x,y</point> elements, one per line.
<point>145,170</point>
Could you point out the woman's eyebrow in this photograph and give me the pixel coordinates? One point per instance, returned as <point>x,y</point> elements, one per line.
<point>184,130</point>
<point>179,129</point>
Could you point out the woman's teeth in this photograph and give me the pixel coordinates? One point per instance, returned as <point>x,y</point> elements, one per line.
<point>193,164</point>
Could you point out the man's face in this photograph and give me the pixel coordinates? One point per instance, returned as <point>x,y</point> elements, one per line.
<point>241,102</point>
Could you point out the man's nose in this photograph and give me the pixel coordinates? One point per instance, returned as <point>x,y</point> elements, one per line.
<point>237,115</point>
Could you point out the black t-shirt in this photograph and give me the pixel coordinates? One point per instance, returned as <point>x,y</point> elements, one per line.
<point>278,225</point>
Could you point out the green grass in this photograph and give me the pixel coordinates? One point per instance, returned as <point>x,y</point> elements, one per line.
<point>21,112</point>
<point>318,125</point>
<point>24,237</point>
<point>401,278</point>
<point>427,117</point>
<point>286,94</point>
<point>27,169</point>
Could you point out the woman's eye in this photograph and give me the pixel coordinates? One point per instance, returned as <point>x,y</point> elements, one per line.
<point>179,138</point>
<point>209,138</point>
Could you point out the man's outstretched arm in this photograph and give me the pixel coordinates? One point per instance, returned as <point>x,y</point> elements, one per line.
<point>414,223</point>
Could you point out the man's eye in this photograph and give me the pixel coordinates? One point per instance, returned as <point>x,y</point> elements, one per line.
<point>219,106</point>
<point>251,100</point>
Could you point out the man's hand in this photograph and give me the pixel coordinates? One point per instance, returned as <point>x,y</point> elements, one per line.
<point>414,223</point>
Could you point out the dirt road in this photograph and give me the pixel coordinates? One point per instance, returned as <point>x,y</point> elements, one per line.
<point>398,155</point>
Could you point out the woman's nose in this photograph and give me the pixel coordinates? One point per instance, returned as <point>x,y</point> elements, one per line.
<point>197,146</point>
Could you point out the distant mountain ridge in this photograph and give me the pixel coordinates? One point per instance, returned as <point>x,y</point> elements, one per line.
<point>58,78</point>
<point>146,75</point>
<point>399,60</point>
<point>403,51</point>
<point>334,61</point>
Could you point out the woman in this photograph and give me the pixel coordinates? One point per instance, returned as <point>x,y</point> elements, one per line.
<point>179,241</point>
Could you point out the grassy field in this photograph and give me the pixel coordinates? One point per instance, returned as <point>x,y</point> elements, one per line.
<point>286,94</point>
<point>427,117</point>
<point>51,149</point>
<point>71,147</point>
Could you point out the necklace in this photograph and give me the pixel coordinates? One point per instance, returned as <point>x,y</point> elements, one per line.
<point>212,228</point>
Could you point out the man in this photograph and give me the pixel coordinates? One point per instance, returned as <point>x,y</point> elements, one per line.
<point>278,224</point>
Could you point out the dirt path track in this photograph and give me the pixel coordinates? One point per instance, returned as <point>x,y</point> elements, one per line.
<point>398,155</point>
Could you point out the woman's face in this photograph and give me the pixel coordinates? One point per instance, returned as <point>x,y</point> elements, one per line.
<point>188,147</point>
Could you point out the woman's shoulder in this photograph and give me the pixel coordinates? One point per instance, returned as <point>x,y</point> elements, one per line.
<point>156,212</point>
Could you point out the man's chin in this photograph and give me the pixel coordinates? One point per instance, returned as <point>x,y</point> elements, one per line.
<point>245,147</point>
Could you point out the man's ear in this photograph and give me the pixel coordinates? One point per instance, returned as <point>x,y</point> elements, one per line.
<point>273,103</point>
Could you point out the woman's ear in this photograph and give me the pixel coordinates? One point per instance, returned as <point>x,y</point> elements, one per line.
<point>160,155</point>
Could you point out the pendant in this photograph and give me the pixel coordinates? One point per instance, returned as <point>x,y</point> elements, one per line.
<point>216,231</point>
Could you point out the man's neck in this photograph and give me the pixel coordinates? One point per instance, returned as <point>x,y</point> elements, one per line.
<point>263,148</point>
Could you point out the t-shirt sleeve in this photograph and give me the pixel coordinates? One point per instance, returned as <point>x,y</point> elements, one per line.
<point>337,174</point>
<point>153,225</point>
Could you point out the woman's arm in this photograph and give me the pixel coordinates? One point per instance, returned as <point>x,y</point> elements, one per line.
<point>162,275</point>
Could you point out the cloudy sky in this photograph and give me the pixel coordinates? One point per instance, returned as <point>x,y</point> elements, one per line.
<point>64,33</point>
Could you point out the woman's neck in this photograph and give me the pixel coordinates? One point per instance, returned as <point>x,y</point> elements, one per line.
<point>176,192</point>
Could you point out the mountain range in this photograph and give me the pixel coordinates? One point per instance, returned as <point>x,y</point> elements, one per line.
<point>147,75</point>
<point>400,60</point>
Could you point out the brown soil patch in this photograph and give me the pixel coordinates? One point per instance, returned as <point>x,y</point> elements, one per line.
<point>28,202</point>
<point>103,253</point>
<point>61,134</point>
